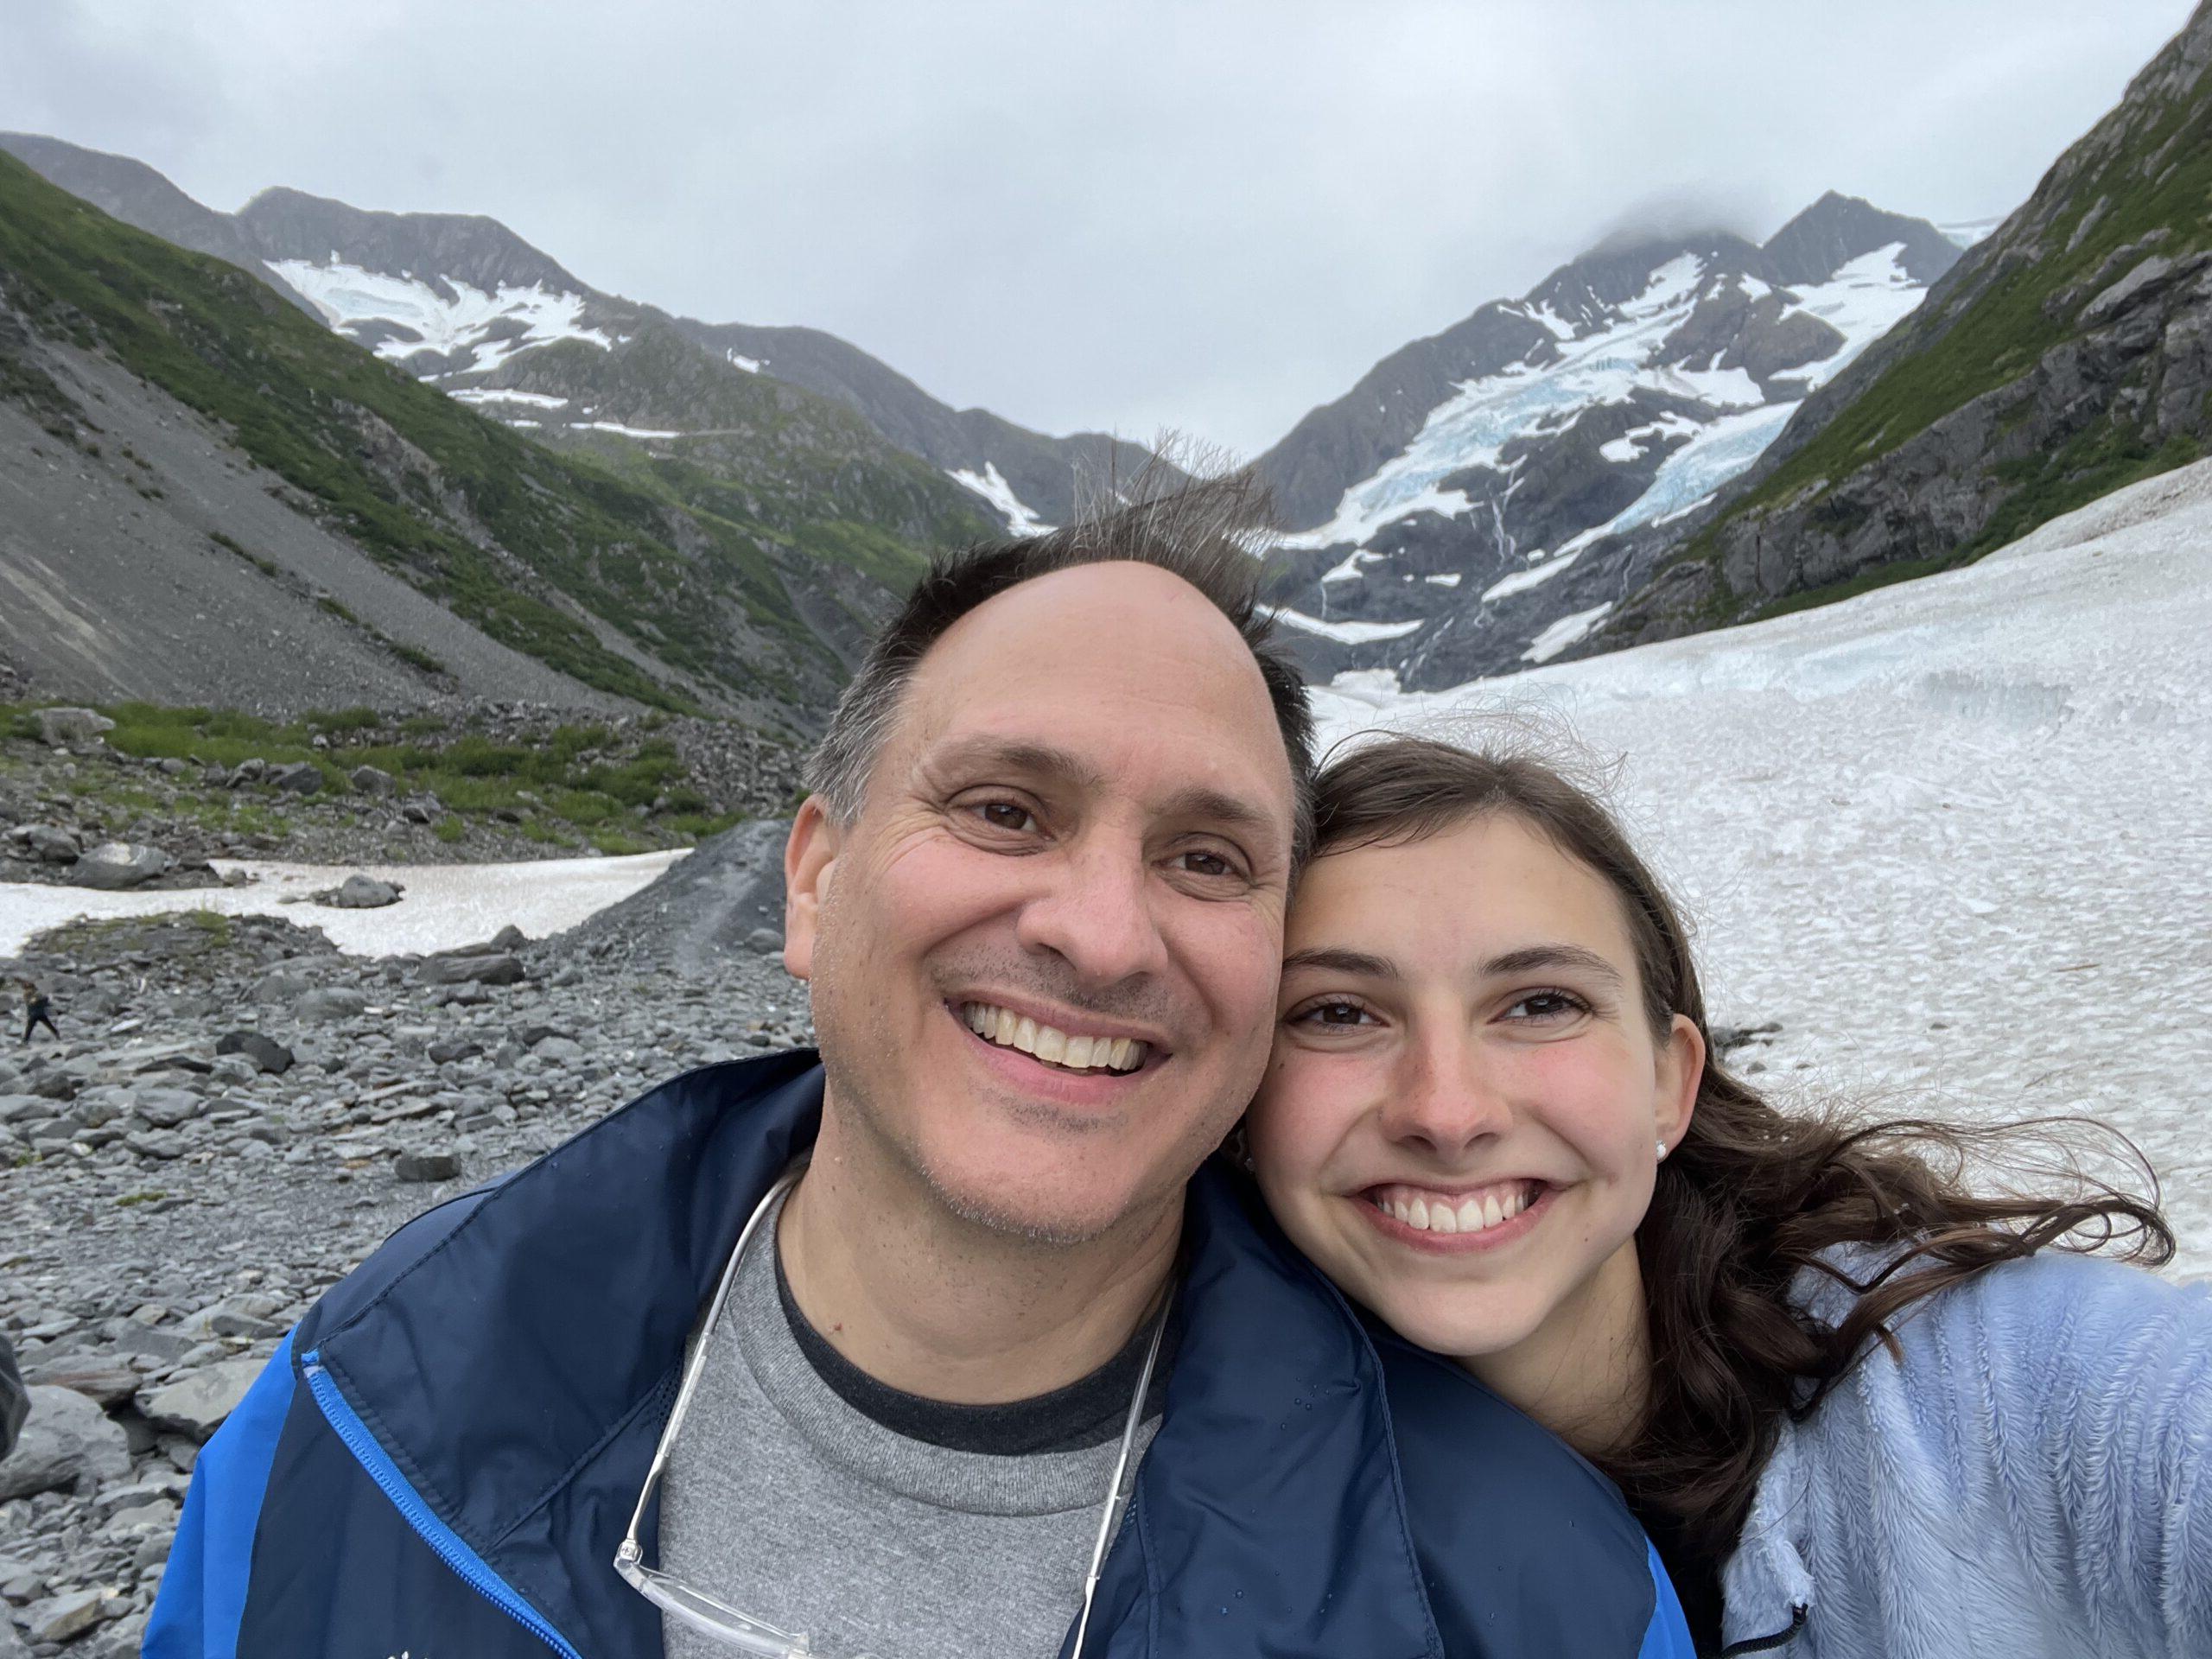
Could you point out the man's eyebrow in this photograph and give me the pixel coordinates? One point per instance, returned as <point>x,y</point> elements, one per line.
<point>1218,807</point>
<point>1019,754</point>
<point>1201,804</point>
<point>1337,960</point>
<point>1534,957</point>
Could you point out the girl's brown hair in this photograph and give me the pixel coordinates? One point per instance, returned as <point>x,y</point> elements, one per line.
<point>1752,1197</point>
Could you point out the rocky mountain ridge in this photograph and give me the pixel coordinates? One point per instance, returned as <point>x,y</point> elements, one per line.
<point>458,298</point>
<point>217,500</point>
<point>2069,355</point>
<point>1449,498</point>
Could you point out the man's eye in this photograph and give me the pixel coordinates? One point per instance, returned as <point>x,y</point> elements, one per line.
<point>1213,866</point>
<point>1006,815</point>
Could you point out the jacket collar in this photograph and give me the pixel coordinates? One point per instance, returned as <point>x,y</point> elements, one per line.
<point>520,1368</point>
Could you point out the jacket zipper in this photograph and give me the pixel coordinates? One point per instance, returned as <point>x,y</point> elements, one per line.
<point>444,1542</point>
<point>1766,1643</point>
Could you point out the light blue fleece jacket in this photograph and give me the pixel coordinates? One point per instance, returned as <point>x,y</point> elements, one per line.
<point>2032,1481</point>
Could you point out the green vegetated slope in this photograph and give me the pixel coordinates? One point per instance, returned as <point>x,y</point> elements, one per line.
<point>2069,355</point>
<point>729,587</point>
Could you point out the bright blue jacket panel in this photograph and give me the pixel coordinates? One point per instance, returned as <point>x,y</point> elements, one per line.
<point>444,1459</point>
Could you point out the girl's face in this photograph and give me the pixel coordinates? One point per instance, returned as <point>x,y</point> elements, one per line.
<point>1460,1121</point>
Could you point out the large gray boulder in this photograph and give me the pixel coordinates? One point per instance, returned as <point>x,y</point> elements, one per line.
<point>58,726</point>
<point>487,968</point>
<point>359,892</point>
<point>300,778</point>
<point>372,780</point>
<point>195,1405</point>
<point>67,1441</point>
<point>115,865</point>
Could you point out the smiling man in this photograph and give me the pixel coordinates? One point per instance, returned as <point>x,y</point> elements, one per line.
<point>956,1342</point>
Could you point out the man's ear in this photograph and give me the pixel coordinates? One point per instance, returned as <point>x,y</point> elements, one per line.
<point>1681,1068</point>
<point>810,855</point>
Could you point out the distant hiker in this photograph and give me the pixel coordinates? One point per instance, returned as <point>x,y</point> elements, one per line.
<point>38,1010</point>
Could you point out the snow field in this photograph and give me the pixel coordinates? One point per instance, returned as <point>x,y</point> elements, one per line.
<point>1955,834</point>
<point>444,905</point>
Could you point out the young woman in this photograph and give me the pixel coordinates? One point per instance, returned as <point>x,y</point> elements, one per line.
<point>1860,1407</point>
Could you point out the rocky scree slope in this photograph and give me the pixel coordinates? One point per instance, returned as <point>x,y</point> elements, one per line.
<point>2067,354</point>
<point>236,1116</point>
<point>735,601</point>
<point>1448,503</point>
<point>455,297</point>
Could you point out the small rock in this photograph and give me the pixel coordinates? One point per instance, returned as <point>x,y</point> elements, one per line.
<point>58,1618</point>
<point>299,778</point>
<point>330,1002</point>
<point>165,1108</point>
<point>268,1055</point>
<point>765,940</point>
<point>115,865</point>
<point>447,1052</point>
<point>426,1167</point>
<point>49,843</point>
<point>105,1382</point>
<point>509,938</point>
<point>281,986</point>
<point>195,1405</point>
<point>163,1144</point>
<point>67,1441</point>
<point>60,727</point>
<point>372,780</point>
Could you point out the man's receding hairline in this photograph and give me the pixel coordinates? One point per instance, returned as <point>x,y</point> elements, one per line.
<point>903,698</point>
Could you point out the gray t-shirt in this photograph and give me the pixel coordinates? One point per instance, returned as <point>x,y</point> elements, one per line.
<point>784,1500</point>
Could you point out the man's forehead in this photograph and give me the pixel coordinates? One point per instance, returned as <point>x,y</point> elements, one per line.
<point>1076,671</point>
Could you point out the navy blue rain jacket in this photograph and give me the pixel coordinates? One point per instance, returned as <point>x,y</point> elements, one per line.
<point>442,1458</point>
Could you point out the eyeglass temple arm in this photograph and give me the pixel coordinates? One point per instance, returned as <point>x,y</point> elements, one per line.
<point>696,1366</point>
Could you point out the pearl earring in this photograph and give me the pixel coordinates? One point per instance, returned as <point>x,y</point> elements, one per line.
<point>1663,1149</point>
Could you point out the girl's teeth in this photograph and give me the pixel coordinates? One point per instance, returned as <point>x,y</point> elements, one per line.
<point>1473,1214</point>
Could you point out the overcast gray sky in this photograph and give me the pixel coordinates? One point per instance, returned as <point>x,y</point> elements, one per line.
<point>1208,214</point>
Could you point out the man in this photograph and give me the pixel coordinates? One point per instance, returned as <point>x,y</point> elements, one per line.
<point>38,1010</point>
<point>867,1349</point>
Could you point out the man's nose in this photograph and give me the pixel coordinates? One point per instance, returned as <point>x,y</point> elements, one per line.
<point>1446,1097</point>
<point>1096,912</point>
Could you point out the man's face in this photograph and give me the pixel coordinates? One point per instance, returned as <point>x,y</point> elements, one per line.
<point>1044,956</point>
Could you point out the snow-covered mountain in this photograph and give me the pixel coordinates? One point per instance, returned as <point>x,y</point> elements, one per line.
<point>461,301</point>
<point>1440,505</point>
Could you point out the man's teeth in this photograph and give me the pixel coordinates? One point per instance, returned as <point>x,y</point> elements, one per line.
<point>1436,1212</point>
<point>1051,1044</point>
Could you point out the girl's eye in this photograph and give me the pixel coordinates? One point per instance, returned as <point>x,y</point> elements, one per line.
<point>1542,1005</point>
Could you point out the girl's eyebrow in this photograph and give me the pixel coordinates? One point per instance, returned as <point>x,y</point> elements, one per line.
<point>1337,960</point>
<point>1530,957</point>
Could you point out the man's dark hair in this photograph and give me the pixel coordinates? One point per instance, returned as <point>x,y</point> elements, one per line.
<point>1208,531</point>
